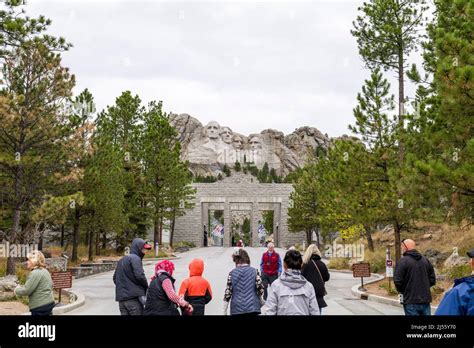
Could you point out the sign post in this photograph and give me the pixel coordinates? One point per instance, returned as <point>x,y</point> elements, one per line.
<point>389,268</point>
<point>61,280</point>
<point>361,270</point>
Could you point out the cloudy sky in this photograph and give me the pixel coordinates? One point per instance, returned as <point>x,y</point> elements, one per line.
<point>247,65</point>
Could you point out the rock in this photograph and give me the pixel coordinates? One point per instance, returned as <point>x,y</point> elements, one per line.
<point>7,286</point>
<point>182,249</point>
<point>435,256</point>
<point>208,148</point>
<point>456,260</point>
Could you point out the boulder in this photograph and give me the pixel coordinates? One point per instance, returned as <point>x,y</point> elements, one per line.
<point>7,286</point>
<point>435,256</point>
<point>456,260</point>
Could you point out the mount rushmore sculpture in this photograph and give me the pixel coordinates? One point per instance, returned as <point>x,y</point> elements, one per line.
<point>209,147</point>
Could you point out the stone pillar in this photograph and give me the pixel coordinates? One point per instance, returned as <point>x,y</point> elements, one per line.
<point>227,224</point>
<point>204,222</point>
<point>254,223</point>
<point>276,223</point>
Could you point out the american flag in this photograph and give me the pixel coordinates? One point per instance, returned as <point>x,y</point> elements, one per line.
<point>261,230</point>
<point>218,231</point>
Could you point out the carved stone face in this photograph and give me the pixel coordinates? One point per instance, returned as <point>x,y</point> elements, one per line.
<point>237,142</point>
<point>255,143</point>
<point>226,135</point>
<point>211,131</point>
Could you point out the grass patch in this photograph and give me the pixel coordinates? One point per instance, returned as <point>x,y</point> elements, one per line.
<point>184,244</point>
<point>151,254</point>
<point>390,291</point>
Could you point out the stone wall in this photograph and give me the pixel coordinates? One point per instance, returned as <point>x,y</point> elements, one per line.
<point>238,192</point>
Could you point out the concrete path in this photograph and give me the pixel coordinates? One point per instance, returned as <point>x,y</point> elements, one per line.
<point>100,290</point>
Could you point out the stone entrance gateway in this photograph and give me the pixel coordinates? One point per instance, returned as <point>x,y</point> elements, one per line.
<point>239,192</point>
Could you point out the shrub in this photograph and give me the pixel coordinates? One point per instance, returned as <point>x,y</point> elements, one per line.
<point>338,263</point>
<point>376,260</point>
<point>457,272</point>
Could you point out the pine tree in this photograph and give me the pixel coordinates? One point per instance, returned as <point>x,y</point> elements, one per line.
<point>448,56</point>
<point>31,132</point>
<point>387,32</point>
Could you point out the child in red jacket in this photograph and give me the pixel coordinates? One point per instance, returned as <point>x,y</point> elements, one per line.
<point>195,289</point>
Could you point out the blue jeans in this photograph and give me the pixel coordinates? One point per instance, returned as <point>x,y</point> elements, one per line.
<point>417,309</point>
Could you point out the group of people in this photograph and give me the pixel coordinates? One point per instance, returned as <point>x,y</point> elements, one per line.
<point>294,286</point>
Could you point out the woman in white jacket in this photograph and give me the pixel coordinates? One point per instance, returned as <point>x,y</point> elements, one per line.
<point>292,294</point>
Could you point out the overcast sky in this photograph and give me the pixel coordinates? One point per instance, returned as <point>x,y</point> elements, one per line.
<point>249,66</point>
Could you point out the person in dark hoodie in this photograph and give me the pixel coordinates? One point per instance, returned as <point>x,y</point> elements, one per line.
<point>130,281</point>
<point>195,289</point>
<point>414,276</point>
<point>316,272</point>
<point>460,299</point>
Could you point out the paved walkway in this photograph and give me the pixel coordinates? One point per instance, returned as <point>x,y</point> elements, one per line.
<point>100,290</point>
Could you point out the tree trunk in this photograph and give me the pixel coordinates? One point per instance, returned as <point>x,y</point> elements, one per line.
<point>401,101</point>
<point>62,235</point>
<point>11,261</point>
<point>75,235</point>
<point>368,235</point>
<point>308,237</point>
<point>396,232</point>
<point>173,220</point>
<point>318,241</point>
<point>160,232</point>
<point>16,228</point>
<point>104,240</point>
<point>91,244</point>
<point>156,232</point>
<point>97,244</point>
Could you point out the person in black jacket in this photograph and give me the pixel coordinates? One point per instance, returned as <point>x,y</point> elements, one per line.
<point>316,272</point>
<point>161,297</point>
<point>130,281</point>
<point>413,278</point>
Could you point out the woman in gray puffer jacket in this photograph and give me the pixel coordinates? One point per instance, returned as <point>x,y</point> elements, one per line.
<point>292,294</point>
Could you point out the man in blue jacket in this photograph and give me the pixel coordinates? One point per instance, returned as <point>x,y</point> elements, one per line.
<point>130,281</point>
<point>460,299</point>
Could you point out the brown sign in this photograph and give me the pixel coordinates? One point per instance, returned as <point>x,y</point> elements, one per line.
<point>62,280</point>
<point>360,270</point>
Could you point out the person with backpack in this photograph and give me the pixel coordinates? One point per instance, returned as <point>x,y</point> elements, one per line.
<point>316,272</point>
<point>195,289</point>
<point>130,281</point>
<point>161,297</point>
<point>270,266</point>
<point>244,290</point>
<point>291,293</point>
<point>414,276</point>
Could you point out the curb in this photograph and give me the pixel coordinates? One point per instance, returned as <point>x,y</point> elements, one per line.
<point>80,301</point>
<point>376,298</point>
<point>149,261</point>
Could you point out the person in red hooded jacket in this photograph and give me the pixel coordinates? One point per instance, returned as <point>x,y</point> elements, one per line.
<point>196,290</point>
